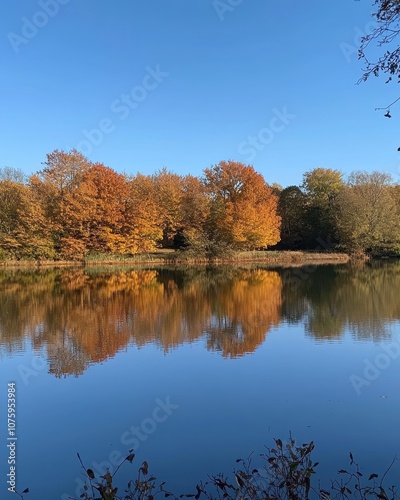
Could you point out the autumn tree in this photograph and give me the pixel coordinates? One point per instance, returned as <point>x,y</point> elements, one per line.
<point>85,203</point>
<point>24,231</point>
<point>368,216</point>
<point>243,208</point>
<point>276,188</point>
<point>64,170</point>
<point>395,192</point>
<point>12,174</point>
<point>62,174</point>
<point>108,194</point>
<point>321,186</point>
<point>168,190</point>
<point>141,228</point>
<point>78,218</point>
<point>195,207</point>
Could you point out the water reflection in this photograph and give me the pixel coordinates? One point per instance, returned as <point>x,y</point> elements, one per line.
<point>86,316</point>
<point>361,298</point>
<point>81,317</point>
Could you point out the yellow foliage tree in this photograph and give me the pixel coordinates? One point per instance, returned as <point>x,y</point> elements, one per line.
<point>141,228</point>
<point>24,232</point>
<point>169,192</point>
<point>243,210</point>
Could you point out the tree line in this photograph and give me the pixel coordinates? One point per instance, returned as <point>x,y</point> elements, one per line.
<point>73,207</point>
<point>358,215</point>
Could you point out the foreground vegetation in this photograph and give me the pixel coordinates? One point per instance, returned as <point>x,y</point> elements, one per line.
<point>75,210</point>
<point>286,472</point>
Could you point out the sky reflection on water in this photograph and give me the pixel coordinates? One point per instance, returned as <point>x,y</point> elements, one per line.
<point>245,354</point>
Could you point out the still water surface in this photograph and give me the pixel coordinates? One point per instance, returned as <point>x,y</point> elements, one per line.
<point>196,368</point>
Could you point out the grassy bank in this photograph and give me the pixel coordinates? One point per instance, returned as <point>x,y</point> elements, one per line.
<point>168,257</point>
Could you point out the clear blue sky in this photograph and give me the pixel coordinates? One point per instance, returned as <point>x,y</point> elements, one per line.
<point>267,83</point>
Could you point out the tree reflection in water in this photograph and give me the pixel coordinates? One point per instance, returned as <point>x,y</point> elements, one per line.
<point>83,316</point>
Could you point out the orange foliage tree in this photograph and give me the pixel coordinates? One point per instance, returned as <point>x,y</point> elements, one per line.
<point>104,192</point>
<point>243,211</point>
<point>88,207</point>
<point>54,185</point>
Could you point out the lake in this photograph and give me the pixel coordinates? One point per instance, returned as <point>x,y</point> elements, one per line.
<point>194,368</point>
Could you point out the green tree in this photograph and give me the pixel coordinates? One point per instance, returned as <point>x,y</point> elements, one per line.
<point>292,208</point>
<point>321,186</point>
<point>367,214</point>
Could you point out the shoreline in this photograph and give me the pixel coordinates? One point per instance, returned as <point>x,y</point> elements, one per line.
<point>284,258</point>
